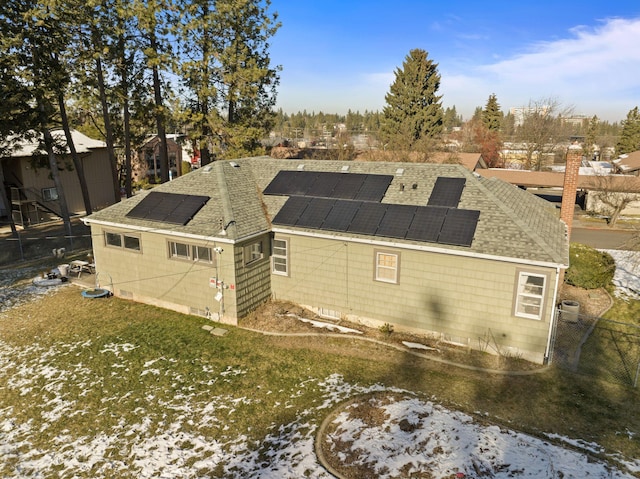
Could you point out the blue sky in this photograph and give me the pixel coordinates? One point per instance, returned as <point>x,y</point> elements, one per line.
<point>338,55</point>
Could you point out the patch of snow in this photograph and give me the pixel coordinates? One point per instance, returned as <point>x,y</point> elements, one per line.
<point>329,326</point>
<point>627,276</point>
<point>411,345</point>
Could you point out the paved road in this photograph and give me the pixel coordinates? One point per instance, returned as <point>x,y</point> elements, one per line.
<point>601,238</point>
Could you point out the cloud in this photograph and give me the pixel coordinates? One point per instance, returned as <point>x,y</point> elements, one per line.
<point>594,69</point>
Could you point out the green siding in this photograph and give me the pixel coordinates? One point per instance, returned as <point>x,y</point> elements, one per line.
<point>461,297</point>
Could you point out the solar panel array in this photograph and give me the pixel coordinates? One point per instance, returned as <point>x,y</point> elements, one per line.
<point>325,184</point>
<point>433,224</point>
<point>168,207</point>
<point>351,203</point>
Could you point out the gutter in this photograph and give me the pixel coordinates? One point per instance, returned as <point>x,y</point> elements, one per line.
<point>431,249</point>
<point>145,229</point>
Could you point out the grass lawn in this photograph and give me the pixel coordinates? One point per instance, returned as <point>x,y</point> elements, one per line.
<point>112,388</point>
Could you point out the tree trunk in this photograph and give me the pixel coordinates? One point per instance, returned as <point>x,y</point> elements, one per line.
<point>53,166</point>
<point>159,114</point>
<point>77,163</point>
<point>108,131</point>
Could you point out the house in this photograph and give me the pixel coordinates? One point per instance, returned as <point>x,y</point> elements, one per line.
<point>628,164</point>
<point>149,156</point>
<point>427,248</point>
<point>31,191</point>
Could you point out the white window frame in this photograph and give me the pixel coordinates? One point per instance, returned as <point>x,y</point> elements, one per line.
<point>529,297</point>
<point>383,272</point>
<point>253,252</point>
<point>280,257</point>
<point>180,251</point>
<point>124,241</point>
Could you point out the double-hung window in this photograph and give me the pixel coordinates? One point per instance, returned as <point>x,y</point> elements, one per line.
<point>190,252</point>
<point>253,252</point>
<point>279,257</point>
<point>387,266</point>
<point>49,194</point>
<point>529,296</point>
<point>127,241</point>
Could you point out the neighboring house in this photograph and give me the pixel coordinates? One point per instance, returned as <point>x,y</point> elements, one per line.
<point>149,157</point>
<point>427,248</point>
<point>31,190</point>
<point>590,186</point>
<point>628,164</point>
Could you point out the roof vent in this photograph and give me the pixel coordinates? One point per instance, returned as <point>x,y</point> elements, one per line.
<point>345,168</point>
<point>234,164</point>
<point>301,166</point>
<point>399,171</point>
<point>207,169</point>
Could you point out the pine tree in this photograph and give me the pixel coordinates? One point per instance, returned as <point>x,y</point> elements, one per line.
<point>591,137</point>
<point>413,115</point>
<point>630,137</point>
<point>228,72</point>
<point>492,115</point>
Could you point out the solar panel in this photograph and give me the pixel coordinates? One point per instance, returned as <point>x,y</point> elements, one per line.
<point>367,218</point>
<point>374,188</point>
<point>396,221</point>
<point>324,184</point>
<point>186,210</point>
<point>348,186</point>
<point>291,211</point>
<point>427,224</point>
<point>315,213</point>
<point>459,227</point>
<point>168,207</point>
<point>340,216</point>
<point>447,192</point>
<point>280,183</point>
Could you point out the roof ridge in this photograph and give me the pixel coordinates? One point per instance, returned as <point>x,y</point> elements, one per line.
<point>524,225</point>
<point>223,191</point>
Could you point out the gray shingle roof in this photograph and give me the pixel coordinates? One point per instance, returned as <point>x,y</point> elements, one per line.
<point>512,223</point>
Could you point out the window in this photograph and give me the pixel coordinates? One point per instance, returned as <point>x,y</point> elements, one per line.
<point>279,255</point>
<point>386,267</point>
<point>253,252</point>
<point>190,252</point>
<point>530,291</point>
<point>122,240</point>
<point>49,194</point>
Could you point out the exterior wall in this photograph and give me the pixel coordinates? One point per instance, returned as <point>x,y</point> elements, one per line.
<point>253,285</point>
<point>463,300</point>
<point>97,174</point>
<point>150,276</point>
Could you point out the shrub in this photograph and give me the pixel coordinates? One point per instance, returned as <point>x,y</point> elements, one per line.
<point>588,267</point>
<point>386,329</point>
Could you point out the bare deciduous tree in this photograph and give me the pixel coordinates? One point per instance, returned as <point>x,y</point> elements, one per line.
<point>611,194</point>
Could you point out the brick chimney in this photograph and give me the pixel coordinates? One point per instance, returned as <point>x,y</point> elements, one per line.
<point>570,185</point>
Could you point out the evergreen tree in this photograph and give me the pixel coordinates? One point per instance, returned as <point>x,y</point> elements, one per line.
<point>591,137</point>
<point>451,118</point>
<point>228,73</point>
<point>630,137</point>
<point>413,116</point>
<point>492,115</point>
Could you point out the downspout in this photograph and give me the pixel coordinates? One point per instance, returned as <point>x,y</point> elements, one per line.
<point>552,322</point>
